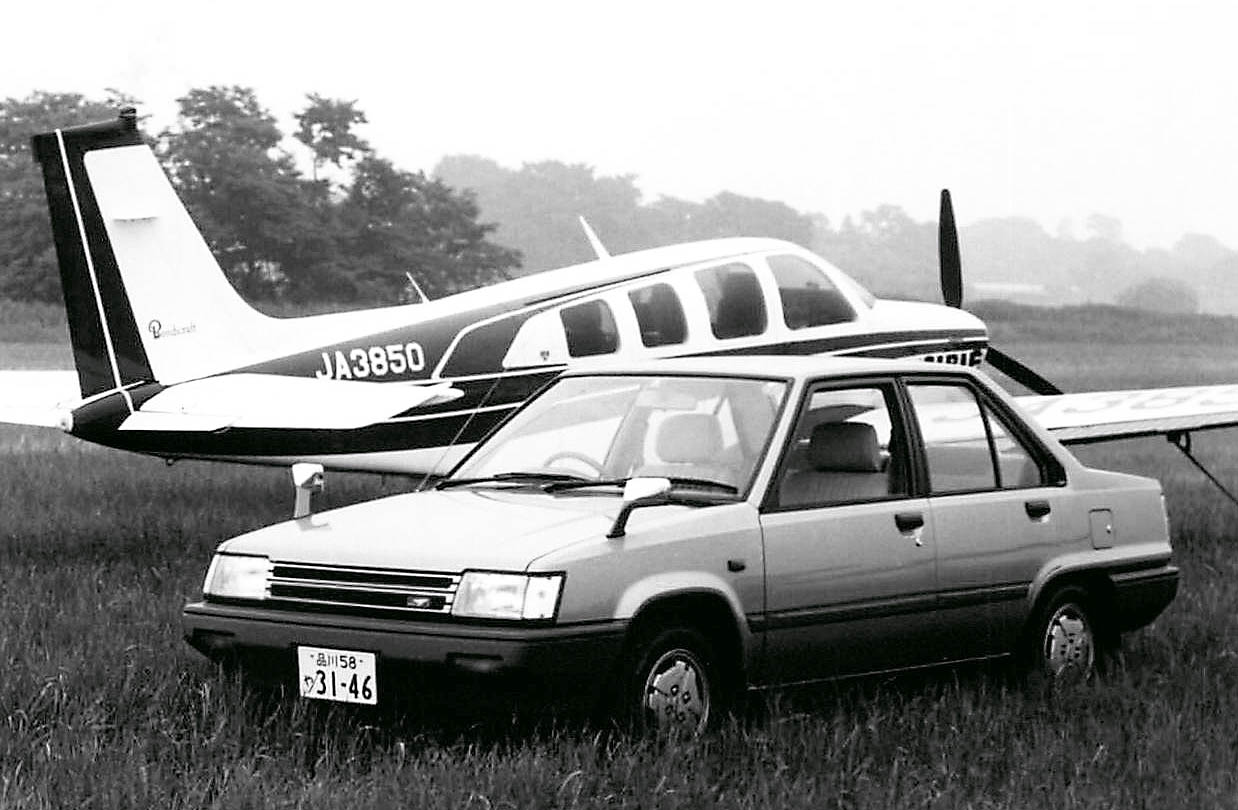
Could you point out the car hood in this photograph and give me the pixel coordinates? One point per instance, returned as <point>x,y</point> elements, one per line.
<point>503,529</point>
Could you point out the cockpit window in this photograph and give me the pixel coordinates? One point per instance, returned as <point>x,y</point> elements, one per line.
<point>808,297</point>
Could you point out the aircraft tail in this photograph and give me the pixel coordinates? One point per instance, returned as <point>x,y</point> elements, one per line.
<point>144,296</point>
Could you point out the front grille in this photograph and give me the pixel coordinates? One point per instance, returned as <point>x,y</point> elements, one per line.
<point>350,590</point>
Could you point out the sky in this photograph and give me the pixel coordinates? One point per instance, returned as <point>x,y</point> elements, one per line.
<point>1052,110</point>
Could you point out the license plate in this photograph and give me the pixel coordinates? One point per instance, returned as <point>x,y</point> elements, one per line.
<point>345,676</point>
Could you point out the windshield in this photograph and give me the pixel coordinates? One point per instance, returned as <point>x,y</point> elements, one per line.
<point>712,429</point>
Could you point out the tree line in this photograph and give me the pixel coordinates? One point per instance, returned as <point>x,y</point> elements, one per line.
<point>318,217</point>
<point>346,233</point>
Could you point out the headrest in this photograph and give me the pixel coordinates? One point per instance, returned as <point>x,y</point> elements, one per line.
<point>689,438</point>
<point>845,447</point>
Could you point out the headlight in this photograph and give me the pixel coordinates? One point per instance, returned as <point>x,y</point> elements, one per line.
<point>488,595</point>
<point>235,576</point>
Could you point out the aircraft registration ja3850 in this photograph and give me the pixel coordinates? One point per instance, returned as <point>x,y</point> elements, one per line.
<point>171,362</point>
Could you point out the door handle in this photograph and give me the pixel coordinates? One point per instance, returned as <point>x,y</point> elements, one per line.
<point>908,521</point>
<point>1037,509</point>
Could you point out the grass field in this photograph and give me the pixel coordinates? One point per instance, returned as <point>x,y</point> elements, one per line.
<point>103,705</point>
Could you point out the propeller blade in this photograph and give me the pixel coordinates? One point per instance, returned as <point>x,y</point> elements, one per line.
<point>1020,373</point>
<point>948,252</point>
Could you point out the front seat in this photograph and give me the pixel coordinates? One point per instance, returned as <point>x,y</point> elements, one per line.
<point>846,466</point>
<point>689,445</point>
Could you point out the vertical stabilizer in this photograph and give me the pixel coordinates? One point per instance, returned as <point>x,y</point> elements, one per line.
<point>146,299</point>
<point>107,349</point>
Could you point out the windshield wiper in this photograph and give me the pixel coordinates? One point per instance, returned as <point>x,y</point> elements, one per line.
<point>560,486</point>
<point>516,476</point>
<point>702,482</point>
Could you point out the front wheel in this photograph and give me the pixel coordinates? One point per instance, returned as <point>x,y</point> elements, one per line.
<point>1064,645</point>
<point>672,684</point>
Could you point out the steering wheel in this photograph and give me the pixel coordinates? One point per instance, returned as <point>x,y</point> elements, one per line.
<point>591,463</point>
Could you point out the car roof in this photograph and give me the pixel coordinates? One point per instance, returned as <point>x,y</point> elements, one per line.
<point>778,366</point>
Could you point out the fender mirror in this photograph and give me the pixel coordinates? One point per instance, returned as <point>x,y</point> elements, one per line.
<point>638,492</point>
<point>308,479</point>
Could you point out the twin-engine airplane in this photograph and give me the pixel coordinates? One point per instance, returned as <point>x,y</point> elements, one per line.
<point>173,363</point>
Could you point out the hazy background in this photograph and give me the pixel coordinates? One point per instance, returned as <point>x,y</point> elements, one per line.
<point>1053,112</point>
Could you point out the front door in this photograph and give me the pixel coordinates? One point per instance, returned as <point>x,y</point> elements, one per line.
<point>849,553</point>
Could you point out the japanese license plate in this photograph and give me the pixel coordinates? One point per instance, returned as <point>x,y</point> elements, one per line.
<point>345,676</point>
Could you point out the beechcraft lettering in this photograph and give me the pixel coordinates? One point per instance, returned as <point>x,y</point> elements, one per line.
<point>409,389</point>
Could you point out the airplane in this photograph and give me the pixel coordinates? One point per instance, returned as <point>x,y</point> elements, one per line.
<point>171,362</point>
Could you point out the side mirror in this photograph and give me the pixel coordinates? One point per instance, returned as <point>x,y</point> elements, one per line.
<point>638,492</point>
<point>308,479</point>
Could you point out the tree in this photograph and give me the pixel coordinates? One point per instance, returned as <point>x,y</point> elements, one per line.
<point>538,207</point>
<point>729,214</point>
<point>256,211</point>
<point>397,221</point>
<point>886,250</point>
<point>28,269</point>
<point>326,127</point>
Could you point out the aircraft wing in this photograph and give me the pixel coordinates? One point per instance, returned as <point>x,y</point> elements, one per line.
<point>1105,415</point>
<point>278,402</point>
<point>41,398</point>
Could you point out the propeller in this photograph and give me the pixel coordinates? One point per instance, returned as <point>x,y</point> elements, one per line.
<point>948,253</point>
<point>952,294</point>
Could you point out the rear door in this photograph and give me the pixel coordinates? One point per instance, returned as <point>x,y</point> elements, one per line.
<point>996,501</point>
<point>849,553</point>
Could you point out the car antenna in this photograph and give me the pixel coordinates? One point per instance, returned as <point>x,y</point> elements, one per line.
<point>598,248</point>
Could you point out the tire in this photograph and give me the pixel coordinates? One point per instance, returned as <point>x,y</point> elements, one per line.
<point>1065,644</point>
<point>671,684</point>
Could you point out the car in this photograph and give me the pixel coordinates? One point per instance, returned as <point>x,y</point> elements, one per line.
<point>658,537</point>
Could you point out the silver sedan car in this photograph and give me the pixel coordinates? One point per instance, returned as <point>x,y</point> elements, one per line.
<point>657,538</point>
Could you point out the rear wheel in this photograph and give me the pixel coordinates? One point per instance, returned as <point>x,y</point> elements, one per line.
<point>1065,644</point>
<point>672,684</point>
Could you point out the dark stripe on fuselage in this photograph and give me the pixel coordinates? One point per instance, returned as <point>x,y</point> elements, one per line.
<point>86,333</point>
<point>866,344</point>
<point>486,401</point>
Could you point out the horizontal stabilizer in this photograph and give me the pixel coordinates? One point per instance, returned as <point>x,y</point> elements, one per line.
<point>1106,415</point>
<point>39,398</point>
<point>277,402</point>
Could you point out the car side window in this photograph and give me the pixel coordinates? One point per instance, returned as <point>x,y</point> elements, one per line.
<point>735,300</point>
<point>808,298</point>
<point>845,449</point>
<point>967,446</point>
<point>659,315</point>
<point>590,329</point>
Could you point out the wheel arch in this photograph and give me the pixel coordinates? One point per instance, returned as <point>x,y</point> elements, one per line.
<point>1095,582</point>
<point>704,609</point>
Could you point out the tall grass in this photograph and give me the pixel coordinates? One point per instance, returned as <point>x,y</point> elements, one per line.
<point>103,705</point>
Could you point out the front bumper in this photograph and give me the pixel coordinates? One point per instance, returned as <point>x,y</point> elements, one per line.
<point>578,657</point>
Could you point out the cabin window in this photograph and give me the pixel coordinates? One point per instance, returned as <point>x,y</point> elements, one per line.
<point>660,315</point>
<point>736,303</point>
<point>590,329</point>
<point>808,297</point>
